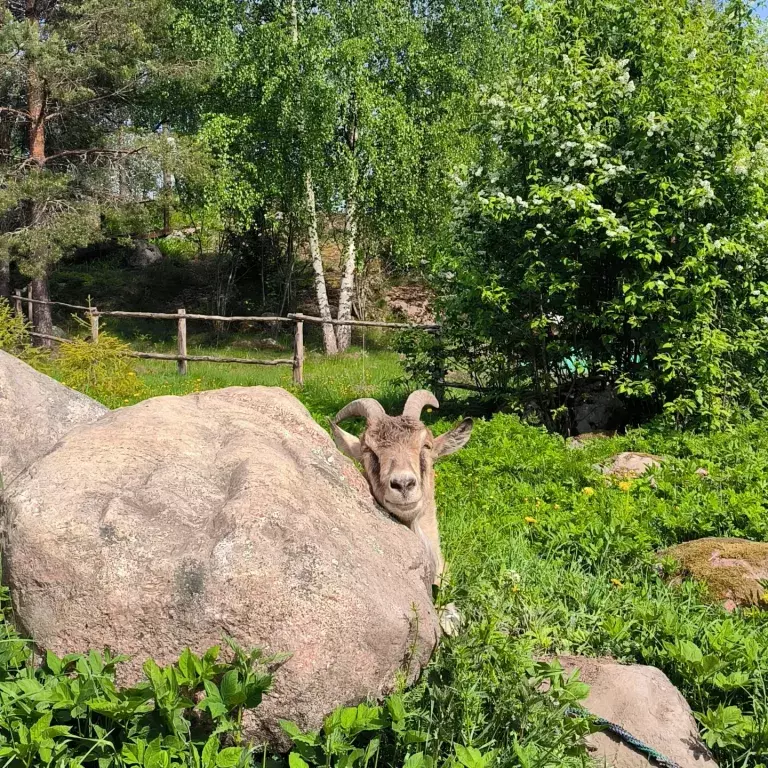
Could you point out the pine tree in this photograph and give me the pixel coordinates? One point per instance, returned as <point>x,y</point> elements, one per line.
<point>71,70</point>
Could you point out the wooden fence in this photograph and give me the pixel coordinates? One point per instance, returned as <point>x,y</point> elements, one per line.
<point>181,316</point>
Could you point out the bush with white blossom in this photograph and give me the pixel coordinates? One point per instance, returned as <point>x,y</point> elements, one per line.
<point>616,229</point>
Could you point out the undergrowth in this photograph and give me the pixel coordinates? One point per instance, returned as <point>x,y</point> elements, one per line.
<point>546,557</point>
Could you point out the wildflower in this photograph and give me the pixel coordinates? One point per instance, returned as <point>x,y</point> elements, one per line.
<point>515,588</point>
<point>555,506</point>
<point>625,485</point>
<point>588,491</point>
<point>764,597</point>
<point>530,520</point>
<point>616,583</point>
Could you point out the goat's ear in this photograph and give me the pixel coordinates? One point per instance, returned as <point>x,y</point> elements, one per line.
<point>450,442</point>
<point>348,444</point>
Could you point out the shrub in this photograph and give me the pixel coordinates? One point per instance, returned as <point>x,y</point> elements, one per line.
<point>14,337</point>
<point>102,370</point>
<point>617,228</point>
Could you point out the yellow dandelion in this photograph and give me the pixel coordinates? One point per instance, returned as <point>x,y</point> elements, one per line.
<point>515,588</point>
<point>555,506</point>
<point>538,503</point>
<point>616,583</point>
<point>625,485</point>
<point>764,597</point>
<point>588,491</point>
<point>530,520</point>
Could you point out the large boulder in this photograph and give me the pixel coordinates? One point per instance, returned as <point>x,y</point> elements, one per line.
<point>35,412</point>
<point>644,702</point>
<point>734,570</point>
<point>179,520</point>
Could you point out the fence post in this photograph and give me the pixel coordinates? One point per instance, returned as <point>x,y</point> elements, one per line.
<point>17,304</point>
<point>298,354</point>
<point>182,343</point>
<point>30,306</point>
<point>94,312</point>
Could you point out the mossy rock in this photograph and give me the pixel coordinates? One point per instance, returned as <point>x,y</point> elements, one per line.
<point>732,569</point>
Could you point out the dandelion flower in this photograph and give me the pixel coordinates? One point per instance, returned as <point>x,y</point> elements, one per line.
<point>625,485</point>
<point>555,506</point>
<point>616,583</point>
<point>530,520</point>
<point>588,491</point>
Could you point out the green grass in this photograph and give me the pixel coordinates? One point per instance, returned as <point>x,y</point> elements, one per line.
<point>540,566</point>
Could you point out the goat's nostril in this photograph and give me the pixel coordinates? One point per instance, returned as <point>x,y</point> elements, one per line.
<point>402,484</point>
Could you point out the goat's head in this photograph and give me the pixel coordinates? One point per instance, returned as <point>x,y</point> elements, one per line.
<point>398,452</point>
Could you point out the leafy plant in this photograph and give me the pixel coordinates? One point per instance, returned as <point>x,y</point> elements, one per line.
<point>614,232</point>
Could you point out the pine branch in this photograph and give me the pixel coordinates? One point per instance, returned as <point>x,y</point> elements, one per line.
<point>83,154</point>
<point>17,112</point>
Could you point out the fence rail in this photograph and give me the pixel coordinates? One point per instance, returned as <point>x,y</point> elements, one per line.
<point>181,316</point>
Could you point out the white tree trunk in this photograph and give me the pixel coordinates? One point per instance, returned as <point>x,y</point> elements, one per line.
<point>329,338</point>
<point>344,332</point>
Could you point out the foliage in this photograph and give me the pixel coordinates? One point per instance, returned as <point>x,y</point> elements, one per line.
<point>567,561</point>
<point>372,99</point>
<point>548,557</point>
<point>616,228</point>
<point>69,712</point>
<point>70,71</point>
<point>102,370</point>
<point>14,337</point>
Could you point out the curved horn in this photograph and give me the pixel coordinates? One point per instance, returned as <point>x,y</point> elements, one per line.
<point>366,408</point>
<point>417,401</point>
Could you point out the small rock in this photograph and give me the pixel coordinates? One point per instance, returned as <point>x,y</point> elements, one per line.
<point>701,472</point>
<point>145,254</point>
<point>631,464</point>
<point>597,408</point>
<point>644,702</point>
<point>732,569</point>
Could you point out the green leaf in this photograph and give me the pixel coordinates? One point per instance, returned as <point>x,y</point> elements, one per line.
<point>230,757</point>
<point>296,761</point>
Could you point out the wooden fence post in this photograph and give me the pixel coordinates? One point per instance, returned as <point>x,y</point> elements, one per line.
<point>94,313</point>
<point>182,343</point>
<point>17,304</point>
<point>30,306</point>
<point>298,354</point>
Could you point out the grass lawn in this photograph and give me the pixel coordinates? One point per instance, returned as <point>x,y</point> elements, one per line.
<point>547,557</point>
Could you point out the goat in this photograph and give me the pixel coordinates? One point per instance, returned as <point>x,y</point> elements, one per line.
<point>397,454</point>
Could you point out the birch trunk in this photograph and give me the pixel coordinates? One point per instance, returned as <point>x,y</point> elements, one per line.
<point>344,332</point>
<point>329,338</point>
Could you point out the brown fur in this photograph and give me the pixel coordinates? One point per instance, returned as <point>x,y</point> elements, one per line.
<point>398,455</point>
